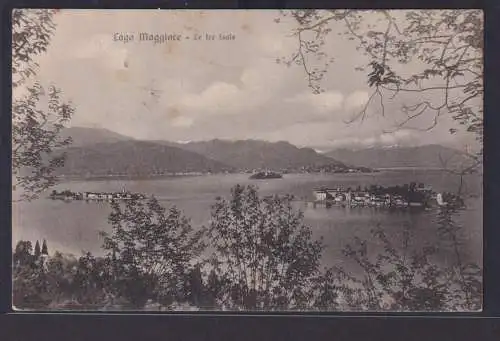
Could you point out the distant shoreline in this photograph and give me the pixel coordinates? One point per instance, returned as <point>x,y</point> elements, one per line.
<point>411,168</point>
<point>170,176</point>
<point>127,177</point>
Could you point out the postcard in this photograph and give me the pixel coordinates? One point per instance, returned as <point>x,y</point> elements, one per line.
<point>248,160</point>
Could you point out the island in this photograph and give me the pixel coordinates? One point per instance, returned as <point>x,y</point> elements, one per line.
<point>407,195</point>
<point>266,175</point>
<point>68,195</point>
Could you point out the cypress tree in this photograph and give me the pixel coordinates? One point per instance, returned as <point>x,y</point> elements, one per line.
<point>44,248</point>
<point>37,249</point>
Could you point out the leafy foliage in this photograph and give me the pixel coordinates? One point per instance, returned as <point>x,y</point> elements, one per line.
<point>32,30</point>
<point>35,138</point>
<point>61,282</point>
<point>38,114</point>
<point>152,251</point>
<point>401,279</point>
<point>467,277</point>
<point>445,45</point>
<point>264,258</point>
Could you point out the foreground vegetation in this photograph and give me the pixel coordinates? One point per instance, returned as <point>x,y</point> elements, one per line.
<point>256,254</point>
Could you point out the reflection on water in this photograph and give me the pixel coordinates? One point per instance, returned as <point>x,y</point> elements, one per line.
<point>72,227</point>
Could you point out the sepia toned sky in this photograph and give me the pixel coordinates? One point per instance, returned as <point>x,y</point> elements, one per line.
<point>197,90</point>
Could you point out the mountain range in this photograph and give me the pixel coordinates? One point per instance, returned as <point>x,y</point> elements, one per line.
<point>255,154</point>
<point>100,152</point>
<point>82,136</point>
<point>427,156</point>
<point>136,158</point>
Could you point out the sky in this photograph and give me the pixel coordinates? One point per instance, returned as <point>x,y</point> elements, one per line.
<point>192,90</point>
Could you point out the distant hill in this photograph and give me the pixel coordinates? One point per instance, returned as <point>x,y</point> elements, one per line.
<point>101,151</point>
<point>254,154</point>
<point>135,158</point>
<point>82,136</point>
<point>428,156</point>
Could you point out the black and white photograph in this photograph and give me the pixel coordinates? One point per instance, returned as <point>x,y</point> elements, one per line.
<point>247,160</point>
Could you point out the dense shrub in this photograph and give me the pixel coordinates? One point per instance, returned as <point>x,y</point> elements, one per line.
<point>152,252</point>
<point>264,257</point>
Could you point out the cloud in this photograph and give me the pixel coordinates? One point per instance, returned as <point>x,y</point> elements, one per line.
<point>356,100</point>
<point>254,87</point>
<point>182,121</point>
<point>400,137</point>
<point>323,103</point>
<point>251,78</point>
<point>219,96</point>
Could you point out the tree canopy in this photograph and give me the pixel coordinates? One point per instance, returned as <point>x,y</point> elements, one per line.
<point>38,114</point>
<point>446,45</point>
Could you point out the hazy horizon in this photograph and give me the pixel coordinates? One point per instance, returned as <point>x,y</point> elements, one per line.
<point>319,149</point>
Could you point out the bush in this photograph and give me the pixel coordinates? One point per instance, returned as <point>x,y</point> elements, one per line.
<point>399,279</point>
<point>151,251</point>
<point>264,257</point>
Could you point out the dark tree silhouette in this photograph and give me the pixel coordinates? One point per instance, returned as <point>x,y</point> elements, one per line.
<point>38,114</point>
<point>61,281</point>
<point>28,281</point>
<point>37,250</point>
<point>153,251</point>
<point>23,253</point>
<point>265,257</point>
<point>403,278</point>
<point>45,251</point>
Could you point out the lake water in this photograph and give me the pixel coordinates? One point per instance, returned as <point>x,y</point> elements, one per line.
<point>73,227</point>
